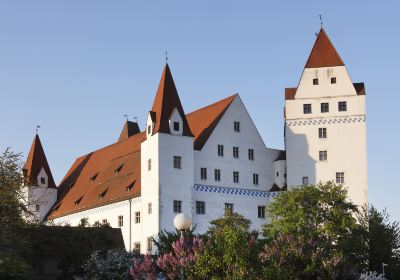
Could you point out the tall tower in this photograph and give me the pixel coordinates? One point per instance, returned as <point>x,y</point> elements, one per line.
<point>39,187</point>
<point>166,161</point>
<point>325,129</point>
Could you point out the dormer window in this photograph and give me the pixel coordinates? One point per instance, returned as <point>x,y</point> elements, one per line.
<point>72,184</point>
<point>176,126</point>
<point>78,201</point>
<point>101,196</point>
<point>315,82</point>
<point>43,180</point>
<point>130,186</point>
<point>57,207</point>
<point>116,171</point>
<point>93,178</point>
<point>175,123</point>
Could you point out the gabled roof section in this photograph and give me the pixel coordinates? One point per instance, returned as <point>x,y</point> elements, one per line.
<point>203,121</point>
<point>129,129</point>
<point>35,162</point>
<point>323,53</point>
<point>166,100</point>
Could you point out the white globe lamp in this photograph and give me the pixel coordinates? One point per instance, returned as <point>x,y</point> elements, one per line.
<point>182,222</point>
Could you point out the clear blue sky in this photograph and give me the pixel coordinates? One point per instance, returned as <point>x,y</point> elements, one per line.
<point>76,67</point>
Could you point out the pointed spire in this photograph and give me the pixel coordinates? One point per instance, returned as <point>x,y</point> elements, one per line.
<point>166,100</point>
<point>323,53</point>
<point>35,162</point>
<point>129,129</point>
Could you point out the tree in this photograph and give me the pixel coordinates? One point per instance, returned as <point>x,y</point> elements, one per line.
<point>230,251</point>
<point>165,239</point>
<point>314,230</point>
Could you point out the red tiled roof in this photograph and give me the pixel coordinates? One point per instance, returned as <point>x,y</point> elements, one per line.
<point>35,162</point>
<point>323,53</point>
<point>166,100</point>
<point>130,129</point>
<point>290,93</point>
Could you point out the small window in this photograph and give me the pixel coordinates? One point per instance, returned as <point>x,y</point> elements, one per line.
<point>284,175</point>
<point>333,80</point>
<point>200,207</point>
<point>102,195</point>
<point>177,206</point>
<point>72,184</point>
<point>261,212</point>
<point>324,107</point>
<point>251,154</point>
<point>315,82</point>
<point>149,244</point>
<point>203,173</point>
<point>116,171</point>
<point>307,108</point>
<point>322,132</point>
<point>236,126</point>
<point>37,207</point>
<point>176,126</point>
<point>120,221</point>
<point>217,175</point>
<point>255,179</point>
<point>137,217</point>
<point>228,208</point>
<point>150,208</point>
<point>43,180</point>
<point>305,180</point>
<point>104,221</point>
<point>235,176</point>
<point>236,152</point>
<point>342,106</point>
<point>149,129</point>
<point>78,201</point>
<point>221,150</point>
<point>277,174</point>
<point>177,162</point>
<point>339,177</point>
<point>130,186</point>
<point>93,178</point>
<point>323,155</point>
<point>149,164</point>
<point>136,247</point>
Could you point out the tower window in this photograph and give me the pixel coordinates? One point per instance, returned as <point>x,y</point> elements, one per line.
<point>322,132</point>
<point>217,175</point>
<point>315,82</point>
<point>235,176</point>
<point>236,126</point>
<point>236,152</point>
<point>323,155</point>
<point>203,173</point>
<point>42,180</point>
<point>137,217</point>
<point>228,208</point>
<point>177,162</point>
<point>176,126</point>
<point>339,177</point>
<point>304,180</point>
<point>261,212</point>
<point>255,179</point>
<point>200,207</point>
<point>149,243</point>
<point>177,206</point>
<point>149,129</point>
<point>251,154</point>
<point>333,80</point>
<point>150,208</point>
<point>342,106</point>
<point>221,150</point>
<point>37,207</point>
<point>149,164</point>
<point>120,221</point>
<point>324,107</point>
<point>307,108</point>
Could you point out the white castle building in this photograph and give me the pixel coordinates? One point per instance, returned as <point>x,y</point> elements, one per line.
<point>213,159</point>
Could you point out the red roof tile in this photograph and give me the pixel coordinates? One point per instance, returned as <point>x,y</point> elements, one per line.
<point>290,93</point>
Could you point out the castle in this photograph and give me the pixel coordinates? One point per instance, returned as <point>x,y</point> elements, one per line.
<point>211,160</point>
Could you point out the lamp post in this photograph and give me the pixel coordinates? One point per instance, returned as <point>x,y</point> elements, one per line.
<point>182,222</point>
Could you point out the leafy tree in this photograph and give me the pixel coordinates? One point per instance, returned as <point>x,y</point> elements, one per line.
<point>231,250</point>
<point>145,269</point>
<point>314,230</point>
<point>165,239</point>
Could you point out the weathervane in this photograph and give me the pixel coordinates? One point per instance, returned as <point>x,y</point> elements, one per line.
<point>135,119</point>
<point>37,129</point>
<point>320,19</point>
<point>166,57</point>
<point>126,117</point>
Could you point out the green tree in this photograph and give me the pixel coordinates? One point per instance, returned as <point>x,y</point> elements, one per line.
<point>165,239</point>
<point>231,250</point>
<point>314,230</point>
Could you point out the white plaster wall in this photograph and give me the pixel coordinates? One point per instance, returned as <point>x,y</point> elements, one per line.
<point>280,172</point>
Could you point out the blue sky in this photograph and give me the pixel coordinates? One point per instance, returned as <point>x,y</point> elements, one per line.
<point>76,67</point>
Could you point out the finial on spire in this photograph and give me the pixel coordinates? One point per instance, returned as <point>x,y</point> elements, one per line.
<point>37,129</point>
<point>126,117</point>
<point>166,57</point>
<point>320,19</point>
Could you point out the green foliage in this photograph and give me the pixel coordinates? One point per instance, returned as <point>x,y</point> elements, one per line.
<point>166,238</point>
<point>314,229</point>
<point>231,251</point>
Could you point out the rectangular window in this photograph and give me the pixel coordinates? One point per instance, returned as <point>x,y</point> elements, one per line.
<point>149,244</point>
<point>333,80</point>
<point>104,221</point>
<point>43,180</point>
<point>251,154</point>
<point>149,129</point>
<point>228,208</point>
<point>136,247</point>
<point>236,152</point>
<point>149,164</point>
<point>203,173</point>
<point>235,177</point>
<point>315,82</point>
<point>137,217</point>
<point>305,181</point>
<point>323,155</point>
<point>325,107</point>
<point>217,175</point>
<point>176,126</point>
<point>339,177</point>
<point>342,106</point>
<point>261,212</point>
<point>221,150</point>
<point>177,162</point>
<point>177,206</point>
<point>150,208</point>
<point>37,207</point>
<point>255,179</point>
<point>307,108</point>
<point>200,207</point>
<point>322,132</point>
<point>120,221</point>
<point>277,174</point>
<point>236,126</point>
